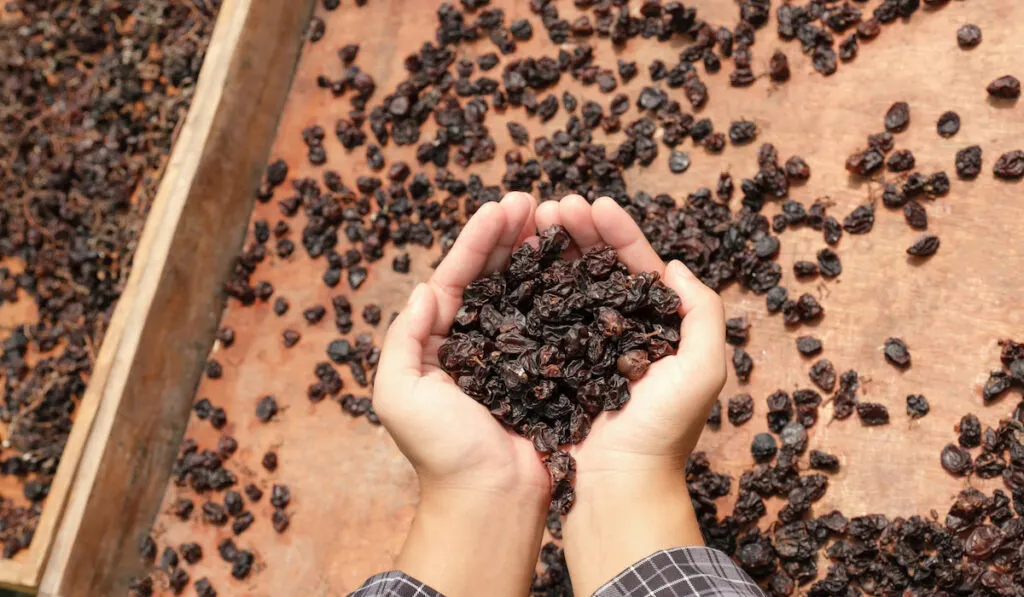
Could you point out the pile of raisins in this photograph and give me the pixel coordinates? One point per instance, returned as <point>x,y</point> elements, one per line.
<point>547,344</point>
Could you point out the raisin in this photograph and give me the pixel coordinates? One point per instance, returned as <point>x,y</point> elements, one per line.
<point>715,416</point>
<point>968,36</point>
<point>763,447</point>
<point>897,353</point>
<point>969,430</point>
<point>797,169</point>
<point>823,374</point>
<point>775,299</point>
<point>948,124</point>
<point>742,131</point>
<point>917,406</point>
<point>215,514</point>
<point>290,338</point>
<point>280,496</point>
<point>737,331</point>
<point>829,263</point>
<point>280,521</point>
<point>214,369</point>
<point>860,220</point>
<point>740,409</point>
<point>1006,87</point>
<point>898,117</point>
<point>808,345</point>
<point>956,460</point>
<point>805,269</point>
<point>147,549</point>
<point>742,363</point>
<point>778,67</point>
<point>916,216</point>
<point>191,552</point>
<point>900,161</point>
<point>823,461</point>
<point>253,493</point>
<point>204,589</point>
<point>241,566</point>
<point>1010,165</point>
<point>926,246</point>
<point>794,437</point>
<point>678,162</point>
<point>266,408</point>
<point>872,414</point>
<point>269,461</point>
<point>865,163</point>
<point>242,522</point>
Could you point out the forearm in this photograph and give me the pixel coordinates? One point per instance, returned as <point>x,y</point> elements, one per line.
<point>466,542</point>
<point>620,518</point>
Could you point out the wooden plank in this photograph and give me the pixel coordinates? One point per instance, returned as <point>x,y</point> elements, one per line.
<point>166,320</point>
<point>354,494</point>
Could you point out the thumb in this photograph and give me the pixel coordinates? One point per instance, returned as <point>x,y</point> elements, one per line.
<point>401,357</point>
<point>702,333</point>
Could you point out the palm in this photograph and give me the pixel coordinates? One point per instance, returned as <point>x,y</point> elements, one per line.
<point>448,436</point>
<point>475,441</point>
<point>652,422</point>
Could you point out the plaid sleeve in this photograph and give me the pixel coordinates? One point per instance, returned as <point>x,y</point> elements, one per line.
<point>394,584</point>
<point>682,572</point>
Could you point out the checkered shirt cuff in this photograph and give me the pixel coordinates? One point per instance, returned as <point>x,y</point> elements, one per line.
<point>394,584</point>
<point>682,572</point>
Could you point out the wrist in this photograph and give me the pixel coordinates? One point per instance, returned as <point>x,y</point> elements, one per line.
<point>623,516</point>
<point>475,541</point>
<point>487,484</point>
<point>479,505</point>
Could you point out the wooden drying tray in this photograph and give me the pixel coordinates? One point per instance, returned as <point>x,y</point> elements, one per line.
<point>950,310</point>
<point>129,423</point>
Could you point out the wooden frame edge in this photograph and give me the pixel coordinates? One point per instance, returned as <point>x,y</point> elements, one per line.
<point>232,54</point>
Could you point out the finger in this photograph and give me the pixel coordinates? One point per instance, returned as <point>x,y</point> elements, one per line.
<point>402,353</point>
<point>529,227</point>
<point>702,342</point>
<point>433,344</point>
<point>619,230</point>
<point>575,213</point>
<point>518,208</point>
<point>547,215</point>
<point>465,262</point>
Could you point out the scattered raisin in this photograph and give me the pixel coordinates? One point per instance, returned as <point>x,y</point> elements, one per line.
<point>948,124</point>
<point>926,246</point>
<point>898,117</point>
<point>897,353</point>
<point>1006,87</point>
<point>917,406</point>
<point>968,36</point>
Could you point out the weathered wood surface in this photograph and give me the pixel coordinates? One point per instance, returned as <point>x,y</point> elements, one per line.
<point>140,394</point>
<point>354,495</point>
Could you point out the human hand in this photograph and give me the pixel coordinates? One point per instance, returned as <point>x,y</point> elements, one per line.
<point>483,489</point>
<point>631,496</point>
<point>660,425</point>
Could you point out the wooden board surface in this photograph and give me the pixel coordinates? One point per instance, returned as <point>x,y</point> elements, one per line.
<point>353,493</point>
<point>168,313</point>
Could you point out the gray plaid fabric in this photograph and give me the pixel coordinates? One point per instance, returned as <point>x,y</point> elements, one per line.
<point>682,572</point>
<point>394,584</point>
